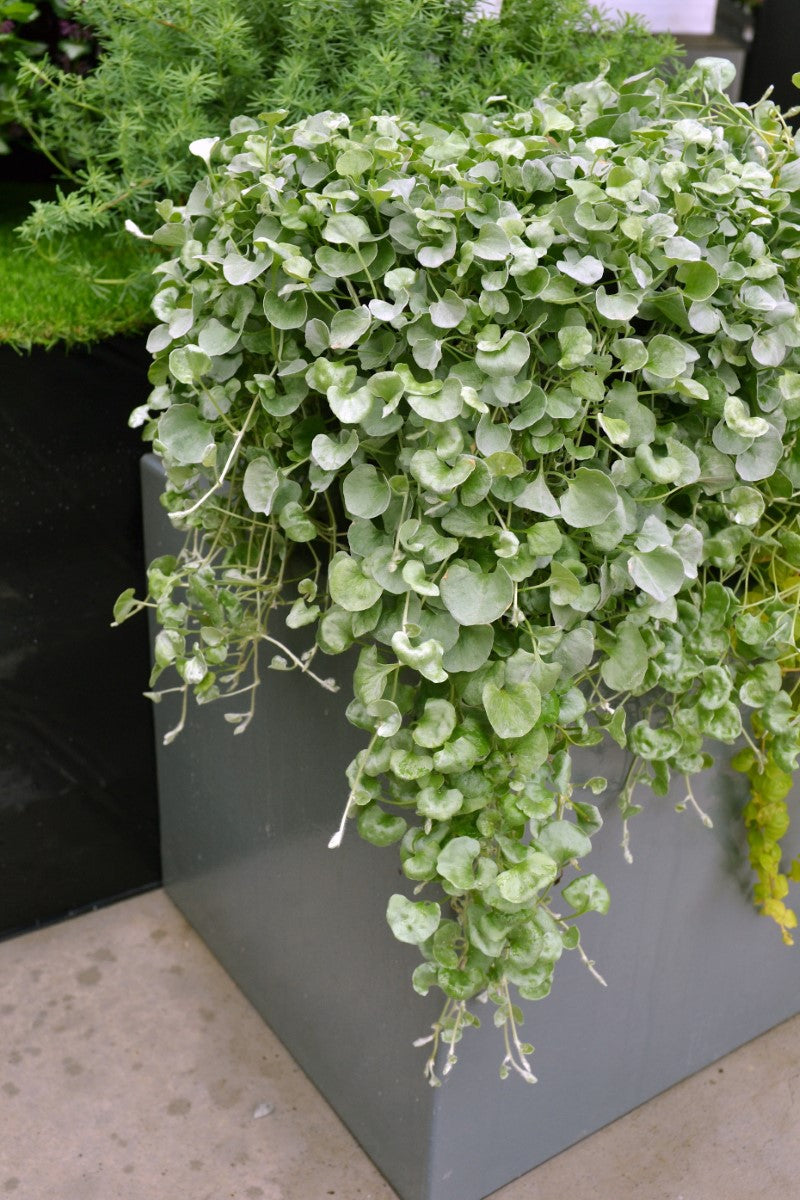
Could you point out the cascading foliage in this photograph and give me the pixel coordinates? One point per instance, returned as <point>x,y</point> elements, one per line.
<point>512,406</point>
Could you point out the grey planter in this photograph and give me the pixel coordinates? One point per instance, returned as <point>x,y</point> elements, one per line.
<point>692,971</point>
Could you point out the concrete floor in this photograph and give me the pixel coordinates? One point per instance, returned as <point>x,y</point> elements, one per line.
<point>133,1069</point>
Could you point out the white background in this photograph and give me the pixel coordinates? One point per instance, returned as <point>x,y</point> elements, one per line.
<point>675,16</point>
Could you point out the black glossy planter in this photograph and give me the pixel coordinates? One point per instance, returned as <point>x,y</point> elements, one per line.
<point>78,811</point>
<point>692,971</point>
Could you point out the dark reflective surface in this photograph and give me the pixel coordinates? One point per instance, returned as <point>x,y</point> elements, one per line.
<point>773,57</point>
<point>78,809</point>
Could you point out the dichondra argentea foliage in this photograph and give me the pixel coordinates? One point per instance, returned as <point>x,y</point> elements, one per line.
<point>512,406</point>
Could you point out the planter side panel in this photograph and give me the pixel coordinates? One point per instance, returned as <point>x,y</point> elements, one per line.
<point>245,826</point>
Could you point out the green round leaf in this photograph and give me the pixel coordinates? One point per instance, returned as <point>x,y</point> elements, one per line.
<point>587,893</point>
<point>512,710</point>
<point>666,357</point>
<point>412,922</point>
<point>472,649</point>
<point>475,597</point>
<point>699,279</point>
<point>563,841</point>
<point>449,311</point>
<point>380,828</point>
<point>437,722</point>
<point>590,498</point>
<point>349,326</point>
<point>616,306</point>
<point>426,658</point>
<point>658,572</point>
<point>366,492</point>
<point>261,482</point>
<point>523,882</point>
<point>455,862</point>
<point>430,471</point>
<point>350,588</point>
<point>330,453</point>
<point>439,804</point>
<point>185,437</point>
<point>288,312</point>
<point>505,356</point>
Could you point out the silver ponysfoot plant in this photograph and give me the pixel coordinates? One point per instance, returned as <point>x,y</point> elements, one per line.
<point>525,394</point>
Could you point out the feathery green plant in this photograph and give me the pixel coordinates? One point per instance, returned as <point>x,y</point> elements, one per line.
<point>433,59</point>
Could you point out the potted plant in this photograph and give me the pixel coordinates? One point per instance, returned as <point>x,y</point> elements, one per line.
<point>508,410</point>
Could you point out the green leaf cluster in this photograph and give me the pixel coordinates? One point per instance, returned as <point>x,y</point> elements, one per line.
<point>542,469</point>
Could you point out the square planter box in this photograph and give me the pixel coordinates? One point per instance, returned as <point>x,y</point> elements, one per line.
<point>692,971</point>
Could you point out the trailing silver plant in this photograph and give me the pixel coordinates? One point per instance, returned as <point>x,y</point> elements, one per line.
<point>512,406</point>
